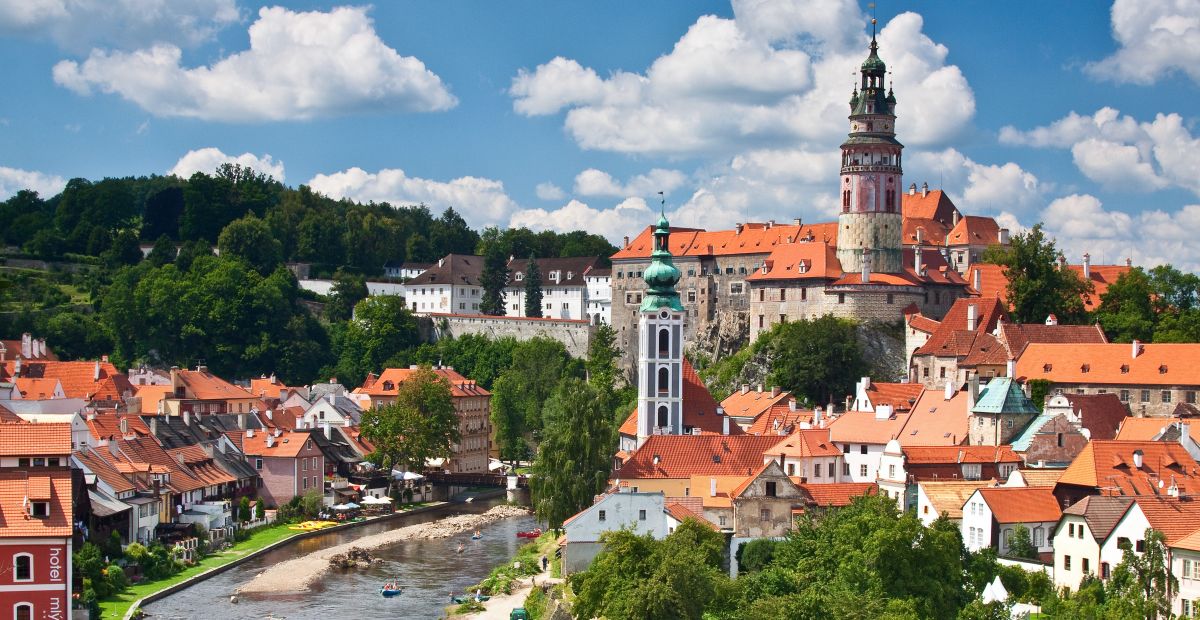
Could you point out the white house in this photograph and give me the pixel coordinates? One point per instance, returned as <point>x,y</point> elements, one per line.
<point>564,286</point>
<point>991,514</point>
<point>1185,565</point>
<point>862,436</point>
<point>937,497</point>
<point>332,410</point>
<point>1081,534</point>
<point>640,513</point>
<point>450,287</point>
<point>809,455</point>
<point>404,271</point>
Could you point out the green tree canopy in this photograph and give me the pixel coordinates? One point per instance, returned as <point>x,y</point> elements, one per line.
<point>420,425</point>
<point>817,359</point>
<point>348,290</point>
<point>493,280</point>
<point>163,251</point>
<point>1126,309</point>
<point>1037,287</point>
<point>251,240</point>
<point>533,289</point>
<point>1020,545</point>
<point>382,328</point>
<point>575,457</point>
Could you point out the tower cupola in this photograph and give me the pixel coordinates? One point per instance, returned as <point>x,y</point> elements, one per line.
<point>662,275</point>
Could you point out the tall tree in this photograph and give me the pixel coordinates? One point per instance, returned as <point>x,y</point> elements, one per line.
<point>1037,286</point>
<point>348,290</point>
<point>493,280</point>
<point>123,251</point>
<point>1142,584</point>
<point>533,289</point>
<point>163,251</point>
<point>1126,309</point>
<point>251,240</point>
<point>575,456</point>
<point>419,426</point>
<point>817,359</point>
<point>381,329</point>
<point>1021,544</point>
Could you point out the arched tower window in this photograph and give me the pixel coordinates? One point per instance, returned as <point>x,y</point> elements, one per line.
<point>663,417</point>
<point>664,380</point>
<point>23,611</point>
<point>664,343</point>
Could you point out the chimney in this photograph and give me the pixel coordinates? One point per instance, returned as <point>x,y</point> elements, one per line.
<point>26,345</point>
<point>760,388</point>
<point>1010,369</point>
<point>1137,459</point>
<point>325,427</point>
<point>96,371</point>
<point>924,190</point>
<point>201,368</point>
<point>797,222</point>
<point>1136,348</point>
<point>270,415</point>
<point>270,441</point>
<point>1087,266</point>
<point>817,416</point>
<point>17,367</point>
<point>917,256</point>
<point>971,326</point>
<point>283,395</point>
<point>775,391</point>
<point>124,425</point>
<point>912,189</point>
<point>949,388</point>
<point>745,388</point>
<point>738,228</point>
<point>1062,261</point>
<point>712,487</point>
<point>441,262</point>
<point>883,411</point>
<point>954,217</point>
<point>1128,261</point>
<point>866,265</point>
<point>249,433</point>
<point>625,243</point>
<point>792,405</point>
<point>154,425</point>
<point>241,421</point>
<point>1003,236</point>
<point>724,425</point>
<point>41,347</point>
<point>972,391</point>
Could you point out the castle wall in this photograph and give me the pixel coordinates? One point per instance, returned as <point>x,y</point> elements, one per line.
<point>575,335</point>
<point>882,232</point>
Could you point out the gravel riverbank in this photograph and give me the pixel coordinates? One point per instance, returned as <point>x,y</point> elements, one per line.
<point>299,574</point>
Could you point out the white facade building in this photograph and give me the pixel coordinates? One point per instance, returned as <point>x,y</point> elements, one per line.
<point>599,296</point>
<point>449,287</point>
<point>566,287</point>
<point>640,513</point>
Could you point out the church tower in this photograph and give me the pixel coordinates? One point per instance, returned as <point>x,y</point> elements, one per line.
<point>660,345</point>
<point>870,222</point>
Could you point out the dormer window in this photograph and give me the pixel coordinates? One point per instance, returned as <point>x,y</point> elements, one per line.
<point>1124,369</point>
<point>388,385</point>
<point>519,276</point>
<point>1162,370</point>
<point>1047,367</point>
<point>39,510</point>
<point>1085,367</point>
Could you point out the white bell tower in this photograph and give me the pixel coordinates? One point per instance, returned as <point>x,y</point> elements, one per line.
<point>660,345</point>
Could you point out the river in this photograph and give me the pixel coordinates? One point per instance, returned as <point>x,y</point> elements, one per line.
<point>428,570</point>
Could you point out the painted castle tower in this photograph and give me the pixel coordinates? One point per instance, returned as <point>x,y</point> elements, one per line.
<point>870,224</point>
<point>660,344</point>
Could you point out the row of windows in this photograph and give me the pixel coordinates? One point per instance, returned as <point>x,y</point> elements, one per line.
<point>39,462</point>
<point>315,482</point>
<point>1191,570</point>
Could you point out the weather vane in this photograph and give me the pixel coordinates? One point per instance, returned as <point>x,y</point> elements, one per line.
<point>871,6</point>
<point>662,200</point>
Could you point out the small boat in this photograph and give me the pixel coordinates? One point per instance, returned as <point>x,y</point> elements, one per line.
<point>534,533</point>
<point>477,535</point>
<point>469,500</point>
<point>391,589</point>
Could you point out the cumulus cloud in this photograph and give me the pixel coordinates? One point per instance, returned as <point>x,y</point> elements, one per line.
<point>984,188</point>
<point>1119,151</point>
<point>626,218</point>
<point>775,76</point>
<point>1080,223</point>
<point>79,25</point>
<point>549,191</point>
<point>300,65</point>
<point>13,180</point>
<point>1155,38</point>
<point>481,201</point>
<point>207,160</point>
<point>593,182</point>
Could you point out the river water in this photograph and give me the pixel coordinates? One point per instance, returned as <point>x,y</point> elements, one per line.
<point>428,570</point>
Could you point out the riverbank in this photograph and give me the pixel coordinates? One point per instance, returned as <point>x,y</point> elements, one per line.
<point>510,586</point>
<point>299,574</point>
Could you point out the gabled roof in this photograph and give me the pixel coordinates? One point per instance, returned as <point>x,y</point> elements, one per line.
<point>901,396</point>
<point>18,486</point>
<point>679,512</point>
<point>454,269</point>
<point>104,470</point>
<point>12,348</point>
<point>1103,414</point>
<point>946,341</point>
<point>147,451</point>
<point>38,389</point>
<point>1021,504</point>
<point>1101,512</point>
<point>780,419</point>
<point>104,426</point>
<point>799,260</point>
<point>837,494</point>
<point>388,382</point>
<point>1109,467</point>
<point>1191,542</point>
<point>203,385</point>
<point>1175,518</point>
<point>42,439</point>
<point>974,230</point>
<point>993,282</point>
<point>1003,395</point>
<point>1147,429</point>
<point>863,427</point>
<point>753,403</point>
<point>684,456</point>
<point>113,388</point>
<point>1155,364</point>
<point>79,379</point>
<point>1017,336</point>
<point>1022,442</point>
<point>935,421</point>
<point>949,497</point>
<point>1040,477</point>
<point>923,323</point>
<point>946,455</point>
<point>753,238</point>
<point>809,443</point>
<point>699,408</point>
<point>932,232</point>
<point>288,444</point>
<point>775,470</point>
<point>571,270</point>
<point>984,349</point>
<point>933,205</point>
<point>268,387</point>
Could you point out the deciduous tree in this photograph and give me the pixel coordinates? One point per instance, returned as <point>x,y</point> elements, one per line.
<point>1037,286</point>
<point>420,425</point>
<point>575,457</point>
<point>818,359</point>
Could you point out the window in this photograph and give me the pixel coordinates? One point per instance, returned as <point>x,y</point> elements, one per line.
<point>691,297</point>
<point>1166,396</point>
<point>1086,564</point>
<point>303,464</point>
<point>258,464</point>
<point>23,611</point>
<point>39,509</point>
<point>1066,562</point>
<point>890,299</point>
<point>770,489</point>
<point>39,462</point>
<point>862,470</point>
<point>23,462</point>
<point>1124,396</point>
<point>765,514</point>
<point>721,521</point>
<point>1071,530</point>
<point>1145,396</point>
<point>841,298</point>
<point>1039,536</point>
<point>736,288</point>
<point>892,471</point>
<point>1141,546</point>
<point>23,567</point>
<point>602,516</point>
<point>641,515</point>
<point>1187,569</point>
<point>845,469</point>
<point>791,469</point>
<point>1104,570</point>
<point>1190,397</point>
<point>862,449</point>
<point>760,321</point>
<point>664,381</point>
<point>304,482</point>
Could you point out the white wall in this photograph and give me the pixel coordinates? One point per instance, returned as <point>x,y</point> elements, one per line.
<point>621,510</point>
<point>856,460</point>
<point>1189,588</point>
<point>976,523</point>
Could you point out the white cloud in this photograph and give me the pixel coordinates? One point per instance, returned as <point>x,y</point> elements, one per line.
<point>480,201</point>
<point>626,218</point>
<point>207,160</point>
<point>549,191</point>
<point>983,188</point>
<point>1155,38</point>
<point>299,66</point>
<point>593,182</point>
<point>776,76</point>
<point>1081,216</point>
<point>78,25</point>
<point>1079,223</point>
<point>13,180</point>
<point>1120,151</point>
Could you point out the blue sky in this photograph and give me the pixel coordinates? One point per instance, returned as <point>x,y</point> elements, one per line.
<point>574,114</point>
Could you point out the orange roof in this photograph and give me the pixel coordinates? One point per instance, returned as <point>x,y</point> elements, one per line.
<point>680,512</point>
<point>288,444</point>
<point>109,425</point>
<point>1109,466</point>
<point>1017,336</point>
<point>932,232</point>
<point>799,260</point>
<point>935,421</point>
<point>838,494</point>
<point>684,456</point>
<point>935,205</point>
<point>16,486</point>
<point>151,395</point>
<point>936,455</point>
<point>1156,364</point>
<point>1191,542</point>
<point>699,408</point>
<point>79,379</point>
<point>806,444</point>
<point>992,281</point>
<point>949,340</point>
<point>146,451</point>
<point>201,465</point>
<point>1040,477</point>
<point>267,386</point>
<point>1176,519</point>
<point>1022,504</point>
<point>8,417</point>
<point>97,463</point>
<point>948,497</point>
<point>388,382</point>
<point>203,385</point>
<point>37,389</point>
<point>900,396</point>
<point>754,238</point>
<point>12,348</point>
<point>42,439</point>
<point>113,388</point>
<point>753,403</point>
<point>1146,429</point>
<point>974,230</point>
<point>1102,276</point>
<point>922,323</point>
<point>862,427</point>
<point>780,419</point>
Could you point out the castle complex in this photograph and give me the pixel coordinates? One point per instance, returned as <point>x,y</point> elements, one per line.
<point>892,252</point>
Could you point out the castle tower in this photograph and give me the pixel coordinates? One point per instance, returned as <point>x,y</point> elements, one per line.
<point>871,176</point>
<point>660,345</point>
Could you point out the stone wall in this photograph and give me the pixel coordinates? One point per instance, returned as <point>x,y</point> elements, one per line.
<point>881,232</point>
<point>574,335</point>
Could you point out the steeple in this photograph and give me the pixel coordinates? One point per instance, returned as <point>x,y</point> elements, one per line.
<point>662,275</point>
<point>660,344</point>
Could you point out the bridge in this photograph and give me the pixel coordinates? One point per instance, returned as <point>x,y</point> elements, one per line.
<point>475,480</point>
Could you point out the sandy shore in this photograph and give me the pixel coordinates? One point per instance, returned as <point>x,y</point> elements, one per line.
<point>299,574</point>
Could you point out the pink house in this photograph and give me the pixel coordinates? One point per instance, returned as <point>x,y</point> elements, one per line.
<point>288,462</point>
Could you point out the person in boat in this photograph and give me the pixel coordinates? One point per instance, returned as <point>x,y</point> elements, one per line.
<point>478,535</point>
<point>461,547</point>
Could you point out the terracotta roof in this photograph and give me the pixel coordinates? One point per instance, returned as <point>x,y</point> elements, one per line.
<point>937,455</point>
<point>1191,542</point>
<point>753,403</point>
<point>1041,477</point>
<point>203,385</point>
<point>935,205</point>
<point>201,465</point>
<point>862,427</point>
<point>8,417</point>
<point>16,486</point>
<point>799,261</point>
<point>453,269</point>
<point>37,389</point>
<point>1019,335</point>
<point>151,395</point>
<point>79,379</point>
<point>1021,504</point>
<point>949,497</point>
<point>1146,429</point>
<point>267,386</point>
<point>109,425</point>
<point>923,323</point>
<point>754,238</point>
<point>948,340</point>
<point>974,230</point>
<point>808,443</point>
<point>992,282</point>
<point>680,512</point>
<point>388,382</point>
<point>147,451</point>
<point>837,494</point>
<point>1108,466</point>
<point>43,439</point>
<point>1103,414</point>
<point>933,232</point>
<point>1173,517</point>
<point>935,421</point>
<point>780,420</point>
<point>699,408</point>
<point>985,349</point>
<point>901,396</point>
<point>1101,512</point>
<point>288,444</point>
<point>97,464</point>
<point>113,388</point>
<point>12,348</point>
<point>1156,364</point>
<point>1102,276</point>
<point>684,456</point>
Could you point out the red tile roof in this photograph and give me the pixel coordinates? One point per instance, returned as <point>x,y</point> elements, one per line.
<point>1156,364</point>
<point>201,465</point>
<point>8,417</point>
<point>683,456</point>
<point>16,486</point>
<point>203,385</point>
<point>42,439</point>
<point>807,443</point>
<point>949,340</point>
<point>935,421</point>
<point>99,465</point>
<point>780,419</point>
<point>754,238</point>
<point>900,396</point>
<point>935,205</point>
<point>923,323</point>
<point>288,444</point>
<point>459,385</point>
<point>753,403</point>
<point>1022,504</point>
<point>79,379</point>
<point>143,451</point>
<point>37,389</point>
<point>862,427</point>
<point>267,387</point>
<point>993,282</point>
<point>948,497</point>
<point>932,231</point>
<point>1109,466</point>
<point>680,512</point>
<point>1017,336</point>
<point>938,455</point>
<point>12,348</point>
<point>1146,429</point>
<point>838,494</point>
<point>1103,414</point>
<point>1191,542</point>
<point>109,425</point>
<point>974,230</point>
<point>699,408</point>
<point>1175,518</point>
<point>799,261</point>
